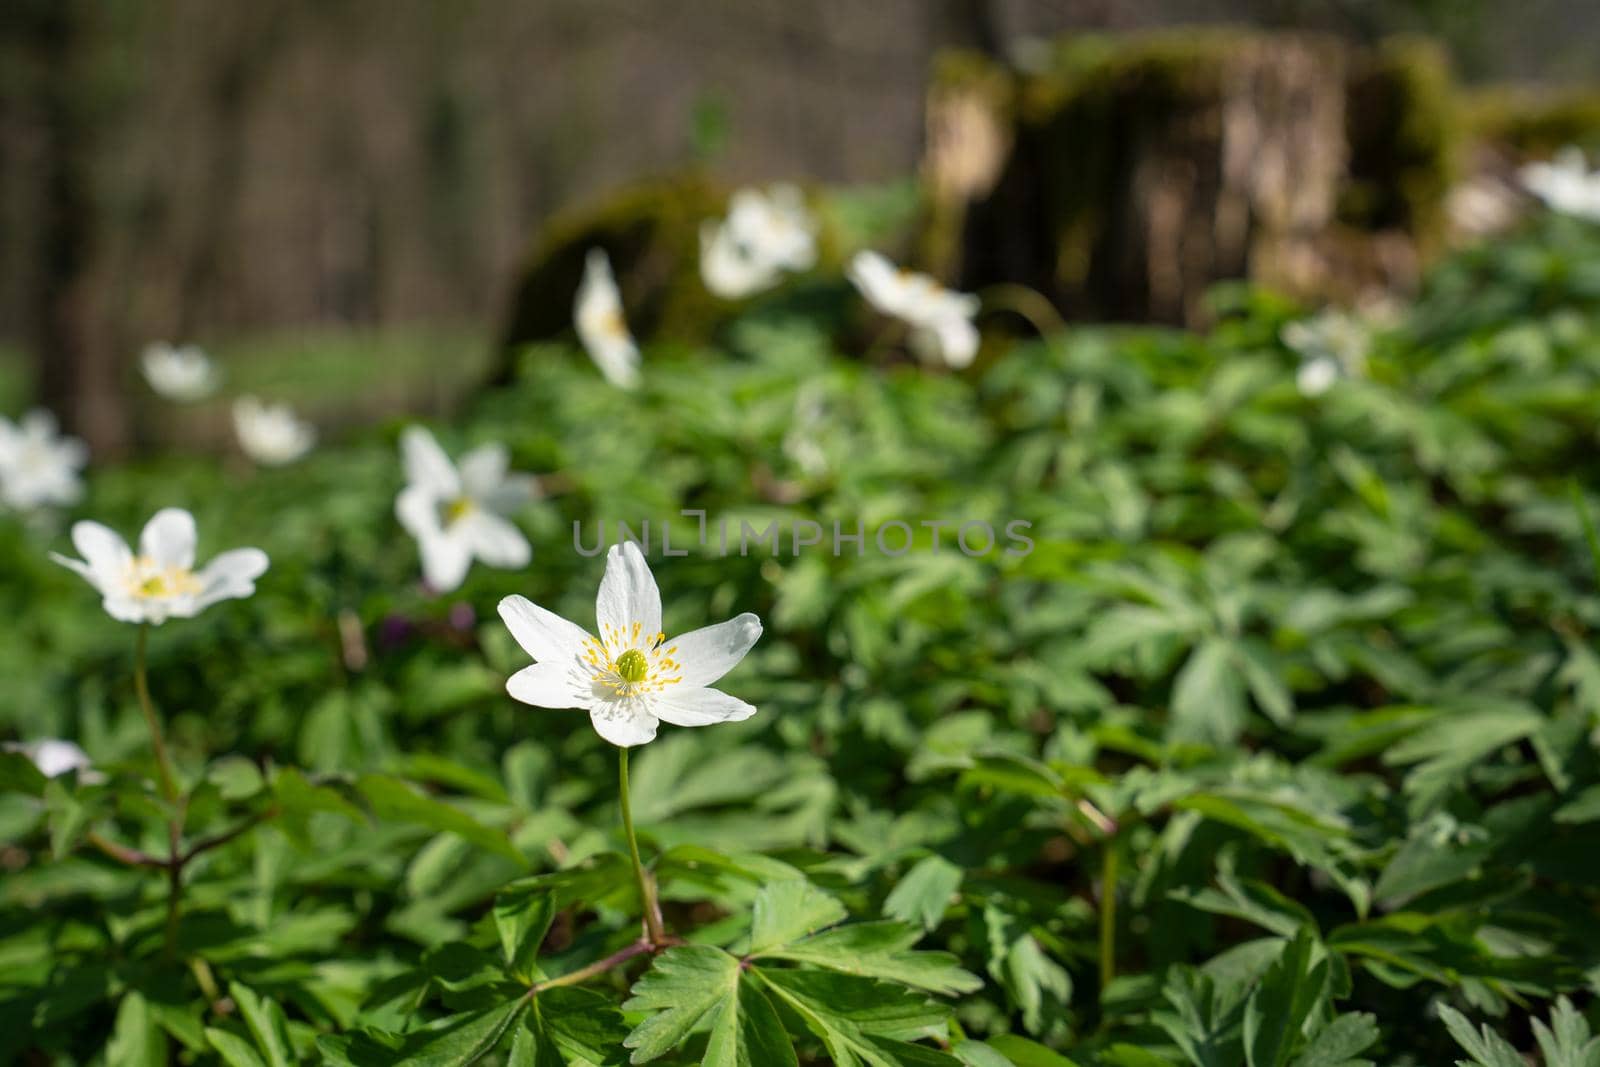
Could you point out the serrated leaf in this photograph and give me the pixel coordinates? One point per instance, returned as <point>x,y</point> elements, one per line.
<point>925,893</point>
<point>682,988</point>
<point>1025,1053</point>
<point>136,1039</point>
<point>1338,1043</point>
<point>881,950</point>
<point>463,1039</point>
<point>1567,1042</point>
<point>859,1021</point>
<point>1276,1013</point>
<point>267,1024</point>
<point>789,910</point>
<point>1208,696</point>
<point>523,917</point>
<point>1487,1048</point>
<point>234,1050</point>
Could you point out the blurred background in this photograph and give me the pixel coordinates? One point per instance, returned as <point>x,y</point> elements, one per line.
<point>345,201</point>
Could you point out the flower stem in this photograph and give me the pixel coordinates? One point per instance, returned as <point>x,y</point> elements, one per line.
<point>647,896</point>
<point>169,784</point>
<point>1108,916</point>
<point>583,974</point>
<point>1028,303</point>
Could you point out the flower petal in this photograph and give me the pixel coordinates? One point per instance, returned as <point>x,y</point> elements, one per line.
<point>699,707</point>
<point>549,684</point>
<point>483,469</point>
<point>231,576</point>
<point>628,595</point>
<point>710,652</point>
<point>168,539</point>
<point>101,547</point>
<point>427,465</point>
<point>544,635</point>
<point>417,508</point>
<point>446,558</point>
<point>496,541</point>
<point>624,723</point>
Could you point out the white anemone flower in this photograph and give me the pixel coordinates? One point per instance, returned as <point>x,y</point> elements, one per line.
<point>1331,345</point>
<point>597,313</point>
<point>631,678</point>
<point>38,464</point>
<point>457,514</point>
<point>179,372</point>
<point>765,235</point>
<point>271,434</point>
<point>1565,184</point>
<point>160,582</point>
<point>54,757</point>
<point>940,319</point>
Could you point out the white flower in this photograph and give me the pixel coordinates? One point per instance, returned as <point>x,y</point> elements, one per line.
<point>53,758</point>
<point>597,313</point>
<point>271,434</point>
<point>1565,184</point>
<point>457,514</point>
<point>940,319</point>
<point>181,373</point>
<point>800,442</point>
<point>1331,345</point>
<point>38,465</point>
<point>764,235</point>
<point>160,582</point>
<point>630,678</point>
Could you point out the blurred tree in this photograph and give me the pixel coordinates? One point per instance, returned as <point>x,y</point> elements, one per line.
<point>55,94</point>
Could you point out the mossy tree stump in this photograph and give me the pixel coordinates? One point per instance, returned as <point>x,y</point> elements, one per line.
<point>1142,170</point>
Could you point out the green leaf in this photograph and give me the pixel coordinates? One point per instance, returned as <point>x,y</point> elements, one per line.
<point>1487,1048</point>
<point>136,1039</point>
<point>584,1023</point>
<point>683,987</point>
<point>18,774</point>
<point>68,819</point>
<point>235,777</point>
<point>394,799</point>
<point>523,917</point>
<point>234,1050</point>
<point>1025,1053</point>
<point>880,950</point>
<point>860,1021</point>
<point>1208,696</point>
<point>1276,1013</point>
<point>979,1054</point>
<point>925,893</point>
<point>463,1039</point>
<point>1336,1044</point>
<point>267,1024</point>
<point>1566,1042</point>
<point>788,910</point>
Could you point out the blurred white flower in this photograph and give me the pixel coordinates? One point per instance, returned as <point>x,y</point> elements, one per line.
<point>54,757</point>
<point>1565,184</point>
<point>160,582</point>
<point>271,434</point>
<point>940,319</point>
<point>800,442</point>
<point>38,464</point>
<point>597,312</point>
<point>764,236</point>
<point>1331,345</point>
<point>457,514</point>
<point>1482,206</point>
<point>630,679</point>
<point>179,372</point>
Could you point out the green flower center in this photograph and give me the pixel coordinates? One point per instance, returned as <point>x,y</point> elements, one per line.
<point>632,665</point>
<point>456,509</point>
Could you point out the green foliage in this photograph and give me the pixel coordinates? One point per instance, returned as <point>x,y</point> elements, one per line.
<point>1322,672</point>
